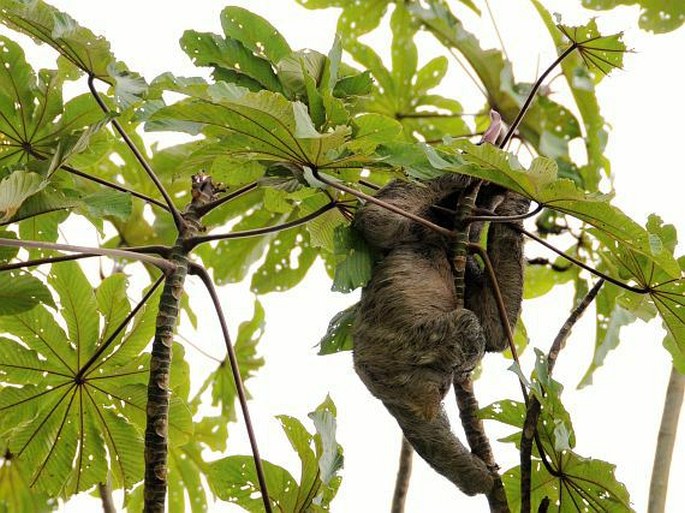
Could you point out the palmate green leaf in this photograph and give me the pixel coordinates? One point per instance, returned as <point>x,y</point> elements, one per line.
<point>664,290</point>
<point>587,484</point>
<point>20,292</point>
<point>656,16</point>
<point>234,478</point>
<point>262,125</point>
<point>73,405</point>
<point>402,91</point>
<point>540,184</point>
<point>540,279</point>
<point>48,200</point>
<point>46,24</point>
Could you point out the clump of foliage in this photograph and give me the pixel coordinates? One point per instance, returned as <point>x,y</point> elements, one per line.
<point>292,140</point>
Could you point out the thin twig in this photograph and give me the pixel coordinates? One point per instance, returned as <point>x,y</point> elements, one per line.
<point>486,215</point>
<point>388,206</point>
<point>208,207</point>
<point>178,219</point>
<point>235,371</point>
<point>111,185</point>
<point>665,442</point>
<point>161,263</point>
<point>600,274</point>
<point>531,96</point>
<point>191,242</point>
<point>533,411</point>
<point>399,497</point>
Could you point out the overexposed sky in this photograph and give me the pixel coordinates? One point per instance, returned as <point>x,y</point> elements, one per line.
<point>616,419</point>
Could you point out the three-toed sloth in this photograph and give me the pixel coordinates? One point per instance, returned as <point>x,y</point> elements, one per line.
<point>410,339</point>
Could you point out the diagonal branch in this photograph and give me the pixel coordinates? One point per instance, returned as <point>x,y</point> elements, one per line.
<point>600,274</point>
<point>191,242</point>
<point>529,432</point>
<point>163,264</point>
<point>178,219</point>
<point>235,371</point>
<point>208,207</point>
<point>106,183</point>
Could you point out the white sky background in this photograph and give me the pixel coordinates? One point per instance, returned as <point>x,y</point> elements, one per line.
<point>616,419</point>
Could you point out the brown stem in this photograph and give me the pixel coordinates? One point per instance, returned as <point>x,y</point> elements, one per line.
<point>531,96</point>
<point>105,492</point>
<point>665,442</point>
<point>600,274</point>
<point>208,207</point>
<point>399,497</point>
<point>178,219</point>
<point>237,380</point>
<point>191,242</point>
<point>157,418</point>
<point>533,411</point>
<point>161,263</point>
<point>111,185</point>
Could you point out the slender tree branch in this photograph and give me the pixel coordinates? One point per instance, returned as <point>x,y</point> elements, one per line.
<point>161,263</point>
<point>105,492</point>
<point>531,96</point>
<point>235,371</point>
<point>111,185</point>
<point>48,260</point>
<point>159,250</point>
<point>666,442</point>
<point>494,24</point>
<point>529,432</point>
<point>486,215</point>
<point>208,207</point>
<point>191,242</point>
<point>399,497</point>
<point>501,308</point>
<point>600,274</point>
<point>178,219</point>
<point>388,206</point>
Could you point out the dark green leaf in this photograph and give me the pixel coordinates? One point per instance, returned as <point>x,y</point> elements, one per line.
<point>338,337</point>
<point>20,292</point>
<point>354,260</point>
<point>255,33</point>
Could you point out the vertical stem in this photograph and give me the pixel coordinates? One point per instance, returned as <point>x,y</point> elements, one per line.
<point>665,442</point>
<point>463,388</point>
<point>533,412</point>
<point>105,491</point>
<point>399,498</point>
<point>158,385</point>
<point>237,380</point>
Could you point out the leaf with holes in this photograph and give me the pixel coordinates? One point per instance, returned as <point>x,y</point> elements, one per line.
<point>220,381</point>
<point>234,478</point>
<point>657,16</point>
<point>67,398</point>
